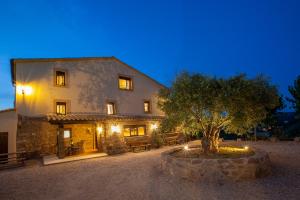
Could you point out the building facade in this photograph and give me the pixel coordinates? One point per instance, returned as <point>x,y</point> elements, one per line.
<point>67,101</point>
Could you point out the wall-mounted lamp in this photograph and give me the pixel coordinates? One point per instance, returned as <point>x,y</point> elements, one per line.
<point>154,126</point>
<point>99,129</point>
<point>24,89</point>
<point>115,129</point>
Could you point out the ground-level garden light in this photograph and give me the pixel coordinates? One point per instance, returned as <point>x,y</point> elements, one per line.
<point>186,147</point>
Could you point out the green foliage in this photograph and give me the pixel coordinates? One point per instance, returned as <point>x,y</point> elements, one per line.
<point>295,92</point>
<point>114,145</point>
<point>156,139</point>
<point>197,103</point>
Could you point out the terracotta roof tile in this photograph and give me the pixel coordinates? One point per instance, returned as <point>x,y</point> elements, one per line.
<point>97,117</point>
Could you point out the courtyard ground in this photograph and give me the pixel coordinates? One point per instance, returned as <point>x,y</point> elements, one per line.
<point>137,176</point>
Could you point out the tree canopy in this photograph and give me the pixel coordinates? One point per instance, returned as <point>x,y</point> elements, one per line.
<point>199,103</point>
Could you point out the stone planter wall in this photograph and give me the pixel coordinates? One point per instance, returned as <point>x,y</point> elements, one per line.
<point>199,169</point>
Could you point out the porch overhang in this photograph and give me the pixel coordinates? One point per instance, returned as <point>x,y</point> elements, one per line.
<point>92,118</point>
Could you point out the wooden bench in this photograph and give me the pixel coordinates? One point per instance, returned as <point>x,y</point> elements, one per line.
<point>12,160</point>
<point>171,138</point>
<point>138,143</point>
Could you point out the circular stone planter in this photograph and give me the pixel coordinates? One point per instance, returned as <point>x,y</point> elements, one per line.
<point>203,169</point>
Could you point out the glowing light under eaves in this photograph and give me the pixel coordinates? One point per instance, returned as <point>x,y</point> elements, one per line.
<point>154,126</point>
<point>115,129</point>
<point>99,129</point>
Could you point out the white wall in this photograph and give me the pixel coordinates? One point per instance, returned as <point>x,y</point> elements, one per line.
<point>8,123</point>
<point>91,84</point>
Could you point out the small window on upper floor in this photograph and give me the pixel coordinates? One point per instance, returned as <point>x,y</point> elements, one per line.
<point>60,78</point>
<point>111,110</point>
<point>125,83</point>
<point>147,108</point>
<point>61,108</point>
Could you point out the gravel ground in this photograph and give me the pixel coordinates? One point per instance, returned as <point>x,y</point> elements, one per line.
<point>138,176</point>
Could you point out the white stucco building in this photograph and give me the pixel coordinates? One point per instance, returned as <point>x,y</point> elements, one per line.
<point>62,101</point>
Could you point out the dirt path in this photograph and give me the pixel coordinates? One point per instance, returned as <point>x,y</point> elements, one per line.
<point>138,176</point>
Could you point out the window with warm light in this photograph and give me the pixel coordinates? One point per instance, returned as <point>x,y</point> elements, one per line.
<point>60,77</point>
<point>141,130</point>
<point>147,106</point>
<point>125,83</point>
<point>126,132</point>
<point>61,108</point>
<point>111,110</point>
<point>134,130</point>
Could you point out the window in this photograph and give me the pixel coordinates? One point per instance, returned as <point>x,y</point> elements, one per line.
<point>111,110</point>
<point>67,133</point>
<point>60,78</point>
<point>61,108</point>
<point>134,130</point>
<point>147,106</point>
<point>125,83</point>
<point>141,130</point>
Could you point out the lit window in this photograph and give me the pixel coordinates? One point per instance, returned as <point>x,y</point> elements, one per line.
<point>111,109</point>
<point>60,78</point>
<point>134,130</point>
<point>125,83</point>
<point>141,130</point>
<point>147,106</point>
<point>67,134</point>
<point>126,132</point>
<point>61,108</point>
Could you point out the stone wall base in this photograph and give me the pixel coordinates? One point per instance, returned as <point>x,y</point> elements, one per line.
<point>215,170</point>
<point>36,136</point>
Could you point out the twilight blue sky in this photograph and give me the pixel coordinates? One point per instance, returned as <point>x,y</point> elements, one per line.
<point>160,38</point>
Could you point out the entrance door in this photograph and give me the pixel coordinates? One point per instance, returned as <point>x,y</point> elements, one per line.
<point>3,143</point>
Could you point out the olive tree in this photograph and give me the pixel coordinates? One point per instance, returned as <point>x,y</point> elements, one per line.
<point>198,103</point>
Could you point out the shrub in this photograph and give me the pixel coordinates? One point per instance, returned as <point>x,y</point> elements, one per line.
<point>156,139</point>
<point>114,145</point>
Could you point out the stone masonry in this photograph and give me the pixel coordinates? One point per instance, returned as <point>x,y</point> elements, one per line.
<point>36,136</point>
<point>214,170</point>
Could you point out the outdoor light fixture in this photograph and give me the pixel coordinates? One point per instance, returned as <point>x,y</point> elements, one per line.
<point>24,89</point>
<point>99,129</point>
<point>246,147</point>
<point>115,129</point>
<point>186,147</point>
<point>154,126</point>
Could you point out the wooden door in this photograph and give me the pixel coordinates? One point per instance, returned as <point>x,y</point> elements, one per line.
<point>3,143</point>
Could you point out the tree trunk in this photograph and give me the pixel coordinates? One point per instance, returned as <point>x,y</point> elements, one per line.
<point>210,141</point>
